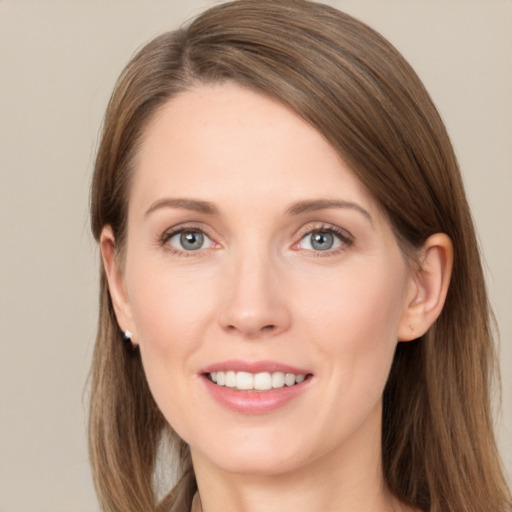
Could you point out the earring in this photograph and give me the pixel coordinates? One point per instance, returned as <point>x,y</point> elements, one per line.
<point>127,335</point>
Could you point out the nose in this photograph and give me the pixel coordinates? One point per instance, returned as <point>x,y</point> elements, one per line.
<point>254,298</point>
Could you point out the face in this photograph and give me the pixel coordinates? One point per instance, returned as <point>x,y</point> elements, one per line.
<point>256,259</point>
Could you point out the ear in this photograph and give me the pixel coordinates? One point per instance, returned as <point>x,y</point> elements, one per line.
<point>115,278</point>
<point>427,288</point>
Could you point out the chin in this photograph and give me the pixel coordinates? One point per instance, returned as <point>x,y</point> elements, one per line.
<point>259,463</point>
<point>267,451</point>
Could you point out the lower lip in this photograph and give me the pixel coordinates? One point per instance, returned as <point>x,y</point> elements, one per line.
<point>254,402</point>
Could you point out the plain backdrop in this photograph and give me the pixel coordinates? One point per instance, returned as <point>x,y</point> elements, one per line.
<point>58,63</point>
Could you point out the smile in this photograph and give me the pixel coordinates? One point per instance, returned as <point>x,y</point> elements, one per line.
<point>262,381</point>
<point>257,387</point>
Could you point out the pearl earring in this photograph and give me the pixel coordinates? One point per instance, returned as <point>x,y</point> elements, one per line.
<point>127,335</point>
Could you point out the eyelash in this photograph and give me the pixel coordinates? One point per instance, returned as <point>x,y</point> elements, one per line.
<point>342,235</point>
<point>168,235</point>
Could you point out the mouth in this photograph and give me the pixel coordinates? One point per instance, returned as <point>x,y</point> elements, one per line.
<point>261,381</point>
<point>255,387</point>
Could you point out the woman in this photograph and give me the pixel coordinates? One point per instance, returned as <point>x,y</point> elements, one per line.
<point>289,256</point>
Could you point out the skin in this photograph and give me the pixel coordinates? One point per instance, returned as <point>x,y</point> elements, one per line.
<point>258,290</point>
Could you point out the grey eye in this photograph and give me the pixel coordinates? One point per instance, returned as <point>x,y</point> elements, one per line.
<point>190,240</point>
<point>322,240</point>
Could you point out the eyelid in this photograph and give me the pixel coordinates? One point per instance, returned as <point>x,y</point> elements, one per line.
<point>345,237</point>
<point>169,233</point>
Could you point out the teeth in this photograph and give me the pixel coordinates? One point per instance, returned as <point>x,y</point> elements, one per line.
<point>263,381</point>
<point>244,380</point>
<point>278,380</point>
<point>289,379</point>
<point>230,380</point>
<point>299,378</point>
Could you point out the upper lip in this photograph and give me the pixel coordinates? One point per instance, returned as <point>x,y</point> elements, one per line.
<point>253,367</point>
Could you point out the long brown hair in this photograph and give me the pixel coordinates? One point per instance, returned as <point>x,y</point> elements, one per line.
<point>438,446</point>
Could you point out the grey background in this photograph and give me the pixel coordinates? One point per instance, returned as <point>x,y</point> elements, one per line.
<point>58,62</point>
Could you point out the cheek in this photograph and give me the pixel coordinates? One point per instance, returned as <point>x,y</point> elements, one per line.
<point>354,331</point>
<point>355,321</point>
<point>361,299</point>
<point>170,313</point>
<point>169,309</point>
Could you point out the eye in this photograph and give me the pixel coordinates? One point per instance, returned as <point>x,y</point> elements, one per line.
<point>324,240</point>
<point>189,240</point>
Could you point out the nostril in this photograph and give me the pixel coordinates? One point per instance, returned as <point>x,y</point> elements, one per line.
<point>253,331</point>
<point>253,318</point>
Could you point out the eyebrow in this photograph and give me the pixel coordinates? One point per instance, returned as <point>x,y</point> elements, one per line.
<point>323,204</point>
<point>297,208</point>
<point>187,204</point>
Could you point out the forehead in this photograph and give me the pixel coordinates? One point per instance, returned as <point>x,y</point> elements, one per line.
<point>224,141</point>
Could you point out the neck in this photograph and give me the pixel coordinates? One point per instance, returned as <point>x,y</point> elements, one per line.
<point>262,495</point>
